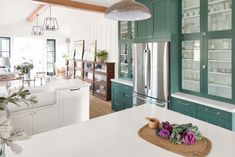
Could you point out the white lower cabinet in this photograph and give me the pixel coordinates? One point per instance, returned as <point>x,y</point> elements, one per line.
<point>38,120</point>
<point>74,105</point>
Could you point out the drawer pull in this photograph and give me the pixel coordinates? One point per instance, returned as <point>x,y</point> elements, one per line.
<point>185,104</point>
<point>218,113</point>
<point>206,109</point>
<point>74,89</point>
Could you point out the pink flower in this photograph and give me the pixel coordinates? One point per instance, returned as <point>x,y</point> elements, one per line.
<point>166,125</point>
<point>164,133</point>
<point>189,137</point>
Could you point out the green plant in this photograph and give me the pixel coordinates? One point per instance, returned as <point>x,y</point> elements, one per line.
<point>22,96</point>
<point>25,67</point>
<point>102,54</point>
<point>65,56</point>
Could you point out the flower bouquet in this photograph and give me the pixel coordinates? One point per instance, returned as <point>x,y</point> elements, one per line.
<point>178,134</point>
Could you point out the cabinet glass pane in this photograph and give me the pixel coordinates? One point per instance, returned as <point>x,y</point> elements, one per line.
<point>191,65</point>
<point>220,67</point>
<point>190,16</point>
<point>219,15</point>
<point>123,30</point>
<point>124,61</point>
<point>100,68</point>
<point>100,90</point>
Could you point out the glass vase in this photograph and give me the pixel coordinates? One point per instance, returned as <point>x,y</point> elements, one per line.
<point>2,150</point>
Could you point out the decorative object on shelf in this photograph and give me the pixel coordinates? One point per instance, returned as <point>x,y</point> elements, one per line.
<point>8,135</point>
<point>102,55</point>
<point>25,68</point>
<point>37,30</point>
<point>79,49</point>
<point>50,23</point>
<point>128,10</point>
<point>89,54</point>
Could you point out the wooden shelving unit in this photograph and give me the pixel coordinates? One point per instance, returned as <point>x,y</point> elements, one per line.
<point>98,74</point>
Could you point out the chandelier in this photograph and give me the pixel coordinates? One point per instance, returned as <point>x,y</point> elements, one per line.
<point>37,30</point>
<point>50,23</point>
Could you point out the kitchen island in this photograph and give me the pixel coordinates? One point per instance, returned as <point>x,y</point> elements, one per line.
<point>116,135</point>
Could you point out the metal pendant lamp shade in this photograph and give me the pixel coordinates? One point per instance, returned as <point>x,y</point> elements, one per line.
<point>37,30</point>
<point>128,10</point>
<point>50,23</point>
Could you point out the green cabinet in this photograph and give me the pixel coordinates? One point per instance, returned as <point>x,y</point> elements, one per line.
<point>126,34</point>
<point>183,107</point>
<point>206,46</point>
<point>121,96</point>
<point>208,114</point>
<point>158,26</point>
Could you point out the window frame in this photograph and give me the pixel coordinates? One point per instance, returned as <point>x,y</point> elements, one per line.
<point>9,51</point>
<point>54,56</point>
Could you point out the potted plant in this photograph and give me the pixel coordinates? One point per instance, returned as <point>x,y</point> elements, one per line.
<point>8,134</point>
<point>25,68</point>
<point>102,55</point>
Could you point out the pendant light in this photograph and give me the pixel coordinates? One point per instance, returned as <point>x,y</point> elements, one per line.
<point>37,30</point>
<point>50,23</point>
<point>128,10</point>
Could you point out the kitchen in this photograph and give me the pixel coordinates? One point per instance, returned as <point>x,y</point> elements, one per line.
<point>171,61</point>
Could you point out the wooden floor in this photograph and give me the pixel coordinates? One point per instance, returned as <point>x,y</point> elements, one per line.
<point>99,107</point>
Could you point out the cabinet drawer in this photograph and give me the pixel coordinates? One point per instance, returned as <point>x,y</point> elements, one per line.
<point>215,120</point>
<point>183,107</point>
<point>214,112</point>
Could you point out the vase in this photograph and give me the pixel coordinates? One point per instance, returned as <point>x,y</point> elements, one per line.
<point>2,150</point>
<point>101,59</point>
<point>27,76</point>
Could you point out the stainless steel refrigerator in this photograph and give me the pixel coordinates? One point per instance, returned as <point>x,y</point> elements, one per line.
<point>151,73</point>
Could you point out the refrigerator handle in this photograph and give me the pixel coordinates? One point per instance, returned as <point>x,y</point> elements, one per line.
<point>147,69</point>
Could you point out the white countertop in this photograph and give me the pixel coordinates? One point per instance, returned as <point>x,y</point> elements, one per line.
<point>66,84</point>
<point>122,81</point>
<point>204,101</point>
<point>116,135</point>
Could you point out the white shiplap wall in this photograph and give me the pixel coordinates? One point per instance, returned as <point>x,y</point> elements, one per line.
<point>104,31</point>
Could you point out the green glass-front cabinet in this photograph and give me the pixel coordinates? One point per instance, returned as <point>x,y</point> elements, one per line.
<point>126,34</point>
<point>121,96</point>
<point>207,42</point>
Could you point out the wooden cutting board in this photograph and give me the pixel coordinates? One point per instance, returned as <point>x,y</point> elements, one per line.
<point>200,149</point>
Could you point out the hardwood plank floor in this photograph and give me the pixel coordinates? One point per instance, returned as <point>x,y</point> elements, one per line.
<point>99,107</point>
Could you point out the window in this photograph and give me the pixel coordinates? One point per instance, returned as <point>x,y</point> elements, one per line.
<point>51,56</point>
<point>4,47</point>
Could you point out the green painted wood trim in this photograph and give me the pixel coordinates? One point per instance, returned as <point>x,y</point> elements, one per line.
<point>233,122</point>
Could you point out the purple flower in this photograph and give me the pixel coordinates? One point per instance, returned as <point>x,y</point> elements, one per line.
<point>189,137</point>
<point>164,133</point>
<point>166,125</point>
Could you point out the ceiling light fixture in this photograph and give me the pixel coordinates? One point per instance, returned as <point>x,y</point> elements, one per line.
<point>50,23</point>
<point>37,30</point>
<point>128,10</point>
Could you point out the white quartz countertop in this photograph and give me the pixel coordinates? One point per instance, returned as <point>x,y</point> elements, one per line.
<point>116,135</point>
<point>65,84</point>
<point>122,81</point>
<point>207,102</point>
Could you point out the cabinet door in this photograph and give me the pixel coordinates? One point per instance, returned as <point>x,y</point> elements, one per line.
<point>123,30</point>
<point>190,22</point>
<point>219,15</point>
<point>117,97</point>
<point>124,60</point>
<point>23,120</point>
<point>161,16</point>
<point>143,27</point>
<point>220,67</point>
<point>45,119</point>
<point>190,76</point>
<point>70,101</point>
<point>128,98</point>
